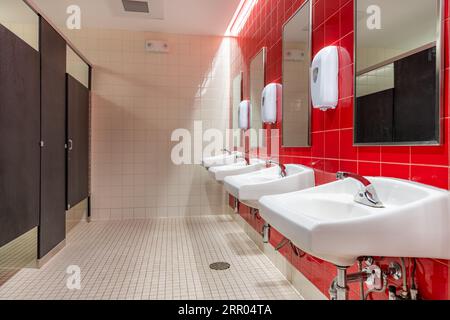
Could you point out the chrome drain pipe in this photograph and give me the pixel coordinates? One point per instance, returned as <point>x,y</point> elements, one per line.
<point>266,233</point>
<point>361,282</point>
<point>339,287</point>
<point>341,284</point>
<point>236,205</point>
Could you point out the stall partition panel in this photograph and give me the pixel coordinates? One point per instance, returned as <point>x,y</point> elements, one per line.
<point>52,228</point>
<point>19,136</point>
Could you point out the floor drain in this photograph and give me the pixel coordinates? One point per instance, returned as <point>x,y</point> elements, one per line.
<point>220,266</point>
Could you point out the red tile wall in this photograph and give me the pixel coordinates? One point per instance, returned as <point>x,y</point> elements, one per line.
<point>332,145</point>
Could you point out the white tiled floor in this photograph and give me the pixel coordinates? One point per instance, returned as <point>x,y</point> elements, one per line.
<point>155,259</point>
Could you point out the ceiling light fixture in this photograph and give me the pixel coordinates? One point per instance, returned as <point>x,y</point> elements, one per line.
<point>240,17</point>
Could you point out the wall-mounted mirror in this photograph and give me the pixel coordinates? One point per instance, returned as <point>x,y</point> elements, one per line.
<point>398,64</point>
<point>257,83</point>
<point>296,90</point>
<point>235,101</point>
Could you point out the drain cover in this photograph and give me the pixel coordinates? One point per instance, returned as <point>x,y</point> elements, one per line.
<point>220,266</point>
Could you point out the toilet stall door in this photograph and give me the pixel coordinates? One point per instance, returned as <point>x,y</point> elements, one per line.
<point>78,142</point>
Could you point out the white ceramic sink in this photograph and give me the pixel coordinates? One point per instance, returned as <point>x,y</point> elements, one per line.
<point>327,223</point>
<point>250,187</point>
<point>221,160</point>
<point>240,167</point>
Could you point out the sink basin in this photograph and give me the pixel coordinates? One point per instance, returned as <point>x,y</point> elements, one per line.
<point>240,167</point>
<point>327,223</point>
<point>250,187</point>
<point>220,160</point>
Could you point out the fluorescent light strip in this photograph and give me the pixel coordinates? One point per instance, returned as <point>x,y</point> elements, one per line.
<point>240,17</point>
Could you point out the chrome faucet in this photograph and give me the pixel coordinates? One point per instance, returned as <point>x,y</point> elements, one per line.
<point>239,156</point>
<point>283,171</point>
<point>227,151</point>
<point>367,195</point>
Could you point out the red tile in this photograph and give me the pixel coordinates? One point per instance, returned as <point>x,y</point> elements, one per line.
<point>434,176</point>
<point>303,161</point>
<point>395,171</point>
<point>447,9</point>
<point>298,259</point>
<point>347,150</point>
<point>332,30</point>
<point>432,279</point>
<point>331,167</point>
<point>275,239</point>
<point>430,155</point>
<point>348,166</point>
<point>396,154</point>
<point>369,169</point>
<point>331,118</point>
<point>318,13</point>
<point>449,177</point>
<point>318,39</point>
<point>317,144</point>
<point>346,50</point>
<point>447,93</point>
<point>332,144</point>
<point>347,15</point>
<point>318,120</point>
<point>346,82</point>
<point>319,171</point>
<point>369,154</point>
<point>259,223</point>
<point>346,113</point>
<point>331,7</point>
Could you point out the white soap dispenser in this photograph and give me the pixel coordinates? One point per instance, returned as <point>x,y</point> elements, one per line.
<point>271,98</point>
<point>325,79</point>
<point>244,115</point>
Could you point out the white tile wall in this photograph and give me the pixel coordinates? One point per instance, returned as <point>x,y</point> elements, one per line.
<point>139,98</point>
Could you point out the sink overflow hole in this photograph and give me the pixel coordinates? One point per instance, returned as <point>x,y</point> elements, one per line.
<point>219,266</point>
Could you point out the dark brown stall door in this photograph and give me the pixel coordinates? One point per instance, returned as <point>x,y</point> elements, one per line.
<point>19,136</point>
<point>52,227</point>
<point>78,142</point>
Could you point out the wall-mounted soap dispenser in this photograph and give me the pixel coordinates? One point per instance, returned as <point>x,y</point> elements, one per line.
<point>271,98</point>
<point>244,115</point>
<point>325,79</point>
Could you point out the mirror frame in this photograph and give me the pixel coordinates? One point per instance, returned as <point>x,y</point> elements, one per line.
<point>309,144</point>
<point>241,74</point>
<point>439,87</point>
<point>241,98</point>
<point>263,50</point>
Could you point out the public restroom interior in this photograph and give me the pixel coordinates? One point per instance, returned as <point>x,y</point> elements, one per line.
<point>224,150</point>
